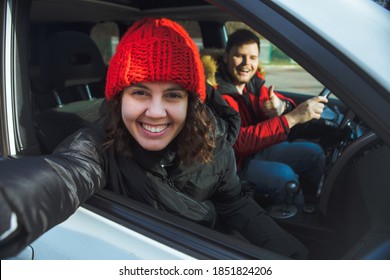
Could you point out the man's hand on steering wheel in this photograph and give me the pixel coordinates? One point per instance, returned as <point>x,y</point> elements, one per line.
<point>307,111</point>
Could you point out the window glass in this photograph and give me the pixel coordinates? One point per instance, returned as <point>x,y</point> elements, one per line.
<point>106,37</point>
<point>280,70</point>
<point>193,29</point>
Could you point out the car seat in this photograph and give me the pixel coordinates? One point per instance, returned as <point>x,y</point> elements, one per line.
<point>70,66</point>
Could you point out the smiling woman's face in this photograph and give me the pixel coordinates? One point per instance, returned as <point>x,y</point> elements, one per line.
<point>154,113</point>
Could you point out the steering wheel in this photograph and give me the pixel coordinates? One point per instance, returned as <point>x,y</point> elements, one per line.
<point>331,122</point>
<point>341,121</point>
<point>325,92</point>
<point>329,115</point>
<point>333,115</point>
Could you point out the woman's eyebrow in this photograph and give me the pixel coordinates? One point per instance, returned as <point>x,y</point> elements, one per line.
<point>172,88</point>
<point>177,87</point>
<point>139,86</point>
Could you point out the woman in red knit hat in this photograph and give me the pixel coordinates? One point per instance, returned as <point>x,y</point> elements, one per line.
<point>160,141</point>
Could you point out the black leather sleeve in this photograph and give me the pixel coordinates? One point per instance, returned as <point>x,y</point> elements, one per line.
<point>44,191</point>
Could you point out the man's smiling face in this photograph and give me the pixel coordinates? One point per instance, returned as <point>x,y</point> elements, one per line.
<point>242,62</point>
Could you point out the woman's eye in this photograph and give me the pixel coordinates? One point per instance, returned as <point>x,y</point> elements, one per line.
<point>174,95</point>
<point>138,92</point>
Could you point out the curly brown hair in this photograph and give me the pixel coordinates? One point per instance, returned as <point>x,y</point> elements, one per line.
<point>196,141</point>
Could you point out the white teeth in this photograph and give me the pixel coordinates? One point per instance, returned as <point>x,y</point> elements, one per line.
<point>154,129</point>
<point>243,71</point>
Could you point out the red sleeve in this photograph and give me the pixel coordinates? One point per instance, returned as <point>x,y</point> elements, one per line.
<point>253,138</point>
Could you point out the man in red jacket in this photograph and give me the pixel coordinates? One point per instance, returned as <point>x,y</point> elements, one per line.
<point>264,156</point>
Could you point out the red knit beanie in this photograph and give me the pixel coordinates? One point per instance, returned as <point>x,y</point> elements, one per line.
<point>156,50</point>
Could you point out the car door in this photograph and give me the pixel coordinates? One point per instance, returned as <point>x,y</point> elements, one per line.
<point>288,25</point>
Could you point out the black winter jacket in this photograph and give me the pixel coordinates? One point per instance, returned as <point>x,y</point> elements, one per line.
<point>44,191</point>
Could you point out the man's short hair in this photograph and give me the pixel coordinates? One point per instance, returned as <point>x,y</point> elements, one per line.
<point>241,37</point>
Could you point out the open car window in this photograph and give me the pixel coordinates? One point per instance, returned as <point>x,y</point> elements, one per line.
<point>279,69</point>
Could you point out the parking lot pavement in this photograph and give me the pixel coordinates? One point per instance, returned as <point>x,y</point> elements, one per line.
<point>292,78</point>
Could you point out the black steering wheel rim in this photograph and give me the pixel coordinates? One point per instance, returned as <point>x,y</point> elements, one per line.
<point>325,92</point>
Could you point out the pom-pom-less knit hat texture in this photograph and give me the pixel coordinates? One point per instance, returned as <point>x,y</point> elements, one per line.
<point>156,50</point>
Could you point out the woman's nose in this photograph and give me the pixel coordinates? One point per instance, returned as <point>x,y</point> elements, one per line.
<point>156,108</point>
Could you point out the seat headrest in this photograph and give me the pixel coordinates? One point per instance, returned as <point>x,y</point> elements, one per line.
<point>70,58</point>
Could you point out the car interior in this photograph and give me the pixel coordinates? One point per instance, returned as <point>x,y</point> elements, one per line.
<point>63,78</point>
